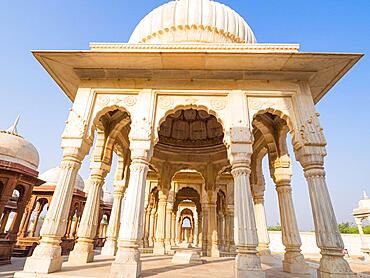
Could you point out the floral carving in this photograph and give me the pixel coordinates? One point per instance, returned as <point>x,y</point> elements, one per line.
<point>103,100</point>
<point>191,101</point>
<point>218,104</point>
<point>264,103</point>
<point>312,133</point>
<point>75,125</point>
<point>165,102</point>
<point>240,171</point>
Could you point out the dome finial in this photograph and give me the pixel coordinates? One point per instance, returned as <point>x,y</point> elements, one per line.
<point>13,128</point>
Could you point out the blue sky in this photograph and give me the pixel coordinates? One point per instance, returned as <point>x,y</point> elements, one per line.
<point>319,26</point>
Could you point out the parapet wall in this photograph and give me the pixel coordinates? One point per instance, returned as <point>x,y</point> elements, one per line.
<point>352,242</point>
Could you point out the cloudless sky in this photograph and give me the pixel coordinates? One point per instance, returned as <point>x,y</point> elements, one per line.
<point>319,26</point>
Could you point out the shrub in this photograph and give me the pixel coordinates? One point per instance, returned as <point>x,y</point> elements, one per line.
<point>351,228</point>
<point>277,227</point>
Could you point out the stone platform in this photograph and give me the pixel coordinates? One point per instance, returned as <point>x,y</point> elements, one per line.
<point>161,266</point>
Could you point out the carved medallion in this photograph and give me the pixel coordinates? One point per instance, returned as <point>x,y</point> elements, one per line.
<point>103,100</point>
<point>130,100</point>
<point>218,104</point>
<point>165,102</point>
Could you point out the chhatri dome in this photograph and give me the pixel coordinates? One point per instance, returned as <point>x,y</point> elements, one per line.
<point>193,21</point>
<point>51,177</point>
<point>15,149</point>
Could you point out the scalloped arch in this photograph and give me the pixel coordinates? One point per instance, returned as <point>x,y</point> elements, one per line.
<point>282,115</point>
<point>99,113</point>
<point>159,122</point>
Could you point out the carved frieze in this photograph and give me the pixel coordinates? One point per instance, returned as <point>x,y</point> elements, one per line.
<point>104,100</point>
<point>75,125</point>
<point>259,103</point>
<point>311,132</point>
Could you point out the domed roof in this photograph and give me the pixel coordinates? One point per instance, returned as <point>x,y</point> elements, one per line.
<point>192,21</point>
<point>14,148</point>
<point>51,178</point>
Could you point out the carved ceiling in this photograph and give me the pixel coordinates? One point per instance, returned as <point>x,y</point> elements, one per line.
<point>192,129</point>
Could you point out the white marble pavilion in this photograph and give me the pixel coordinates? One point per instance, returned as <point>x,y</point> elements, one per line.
<point>191,105</point>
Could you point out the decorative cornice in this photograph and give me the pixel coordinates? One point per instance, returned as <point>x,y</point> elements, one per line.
<point>196,47</point>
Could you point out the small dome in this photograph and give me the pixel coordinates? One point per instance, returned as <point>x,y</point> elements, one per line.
<point>51,178</point>
<point>108,198</point>
<point>364,203</point>
<point>192,21</point>
<point>14,148</point>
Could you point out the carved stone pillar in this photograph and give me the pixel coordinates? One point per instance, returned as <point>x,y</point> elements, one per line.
<point>328,238</point>
<point>263,235</point>
<point>213,247</point>
<point>110,245</point>
<point>196,231</point>
<point>72,233</point>
<point>173,228</point>
<point>83,251</point>
<point>46,257</point>
<point>147,226</point>
<point>38,210</point>
<point>159,248</point>
<point>4,220</point>
<point>7,193</point>
<point>151,226</point>
<point>205,241</point>
<point>26,218</point>
<point>293,259</point>
<point>222,231</point>
<point>247,263</point>
<point>127,262</point>
<point>230,229</point>
<point>167,238</point>
<point>13,231</point>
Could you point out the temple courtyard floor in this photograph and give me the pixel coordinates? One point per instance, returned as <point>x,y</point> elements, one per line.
<point>161,266</point>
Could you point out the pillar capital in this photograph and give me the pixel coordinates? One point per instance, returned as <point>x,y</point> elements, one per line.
<point>141,151</point>
<point>258,199</point>
<point>282,171</point>
<point>311,156</point>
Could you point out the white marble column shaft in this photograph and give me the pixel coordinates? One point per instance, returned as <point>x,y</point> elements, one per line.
<point>159,248</point>
<point>167,238</point>
<point>127,263</point>
<point>328,238</point>
<point>47,257</point>
<point>247,263</point>
<point>261,224</point>
<point>83,251</point>
<point>110,245</point>
<point>173,229</point>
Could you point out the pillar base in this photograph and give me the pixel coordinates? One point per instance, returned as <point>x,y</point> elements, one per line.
<point>334,266</point>
<point>264,252</point>
<point>167,246</point>
<point>46,258</point>
<point>159,248</point>
<point>82,253</point>
<point>215,252</point>
<point>248,265</point>
<point>109,248</point>
<point>294,263</point>
<point>127,264</point>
